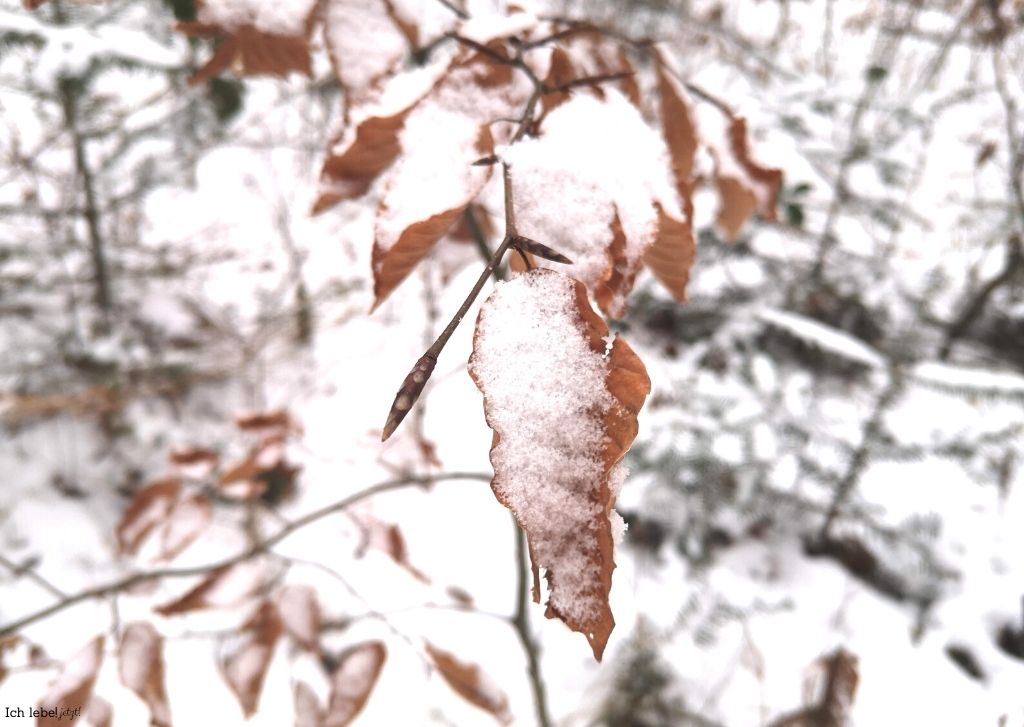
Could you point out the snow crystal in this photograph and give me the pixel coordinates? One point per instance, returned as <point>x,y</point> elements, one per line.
<point>545,388</point>
<point>285,17</point>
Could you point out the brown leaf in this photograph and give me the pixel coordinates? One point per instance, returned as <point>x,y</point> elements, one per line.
<point>300,615</point>
<point>98,712</point>
<point>679,127</point>
<point>248,49</point>
<point>186,522</point>
<point>246,666</point>
<point>610,292</point>
<point>72,688</point>
<point>277,421</point>
<point>226,586</point>
<point>141,667</point>
<point>394,259</point>
<point>308,712</point>
<point>471,684</point>
<point>193,455</point>
<point>149,507</point>
<point>757,190</point>
<point>672,253</point>
<point>353,680</point>
<point>837,680</point>
<point>560,72</point>
<point>563,412</point>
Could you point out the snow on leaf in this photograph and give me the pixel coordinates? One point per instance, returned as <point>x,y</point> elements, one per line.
<point>246,665</point>
<point>353,680</point>
<point>149,507</point>
<point>564,414</point>
<point>141,668</point>
<point>364,42</point>
<point>185,523</point>
<point>471,684</point>
<point>223,587</point>
<point>257,38</point>
<point>73,686</point>
<point>368,144</point>
<point>432,186</point>
<point>599,160</point>
<point>308,712</point>
<point>300,615</point>
<point>743,185</point>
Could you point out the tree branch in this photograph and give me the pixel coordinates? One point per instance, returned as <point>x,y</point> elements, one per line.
<point>257,548</point>
<point>521,623</point>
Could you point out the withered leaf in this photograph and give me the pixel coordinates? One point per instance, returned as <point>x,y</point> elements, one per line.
<point>186,522</point>
<point>98,712</point>
<point>679,126</point>
<point>353,680</point>
<point>471,684</point>
<point>300,615</point>
<point>72,688</point>
<point>226,586</point>
<point>246,666</point>
<point>149,507</point>
<point>563,411</point>
<point>141,666</point>
<point>670,257</point>
<point>744,186</point>
<point>308,711</point>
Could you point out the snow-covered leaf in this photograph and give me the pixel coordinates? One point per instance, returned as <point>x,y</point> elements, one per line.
<point>245,666</point>
<point>256,38</point>
<point>148,508</point>
<point>141,666</point>
<point>563,409</point>
<point>73,686</point>
<point>352,682</point>
<point>469,681</point>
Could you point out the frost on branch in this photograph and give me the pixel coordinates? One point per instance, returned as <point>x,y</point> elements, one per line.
<point>563,411</point>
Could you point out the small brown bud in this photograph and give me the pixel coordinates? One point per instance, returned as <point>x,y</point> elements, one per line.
<point>408,393</point>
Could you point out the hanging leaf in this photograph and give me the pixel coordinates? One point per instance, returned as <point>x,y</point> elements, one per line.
<point>72,688</point>
<point>223,587</point>
<point>835,685</point>
<point>353,680</point>
<point>743,185</point>
<point>563,411</point>
<point>253,39</point>
<point>186,522</point>
<point>98,712</point>
<point>308,711</point>
<point>246,665</point>
<point>471,684</point>
<point>141,666</point>
<point>194,462</point>
<point>300,615</point>
<point>150,506</point>
<point>679,127</point>
<point>670,257</point>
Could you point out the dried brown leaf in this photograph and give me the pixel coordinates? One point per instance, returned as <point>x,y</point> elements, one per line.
<point>72,688</point>
<point>471,684</point>
<point>679,126</point>
<point>226,586</point>
<point>393,263</point>
<point>141,667</point>
<point>575,548</point>
<point>757,190</point>
<point>358,670</point>
<point>610,292</point>
<point>672,253</point>
<point>186,522</point>
<point>245,668</point>
<point>300,615</point>
<point>98,712</point>
<point>149,507</point>
<point>308,711</point>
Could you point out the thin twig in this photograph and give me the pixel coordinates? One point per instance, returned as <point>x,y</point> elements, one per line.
<point>257,548</point>
<point>30,573</point>
<point>521,622</point>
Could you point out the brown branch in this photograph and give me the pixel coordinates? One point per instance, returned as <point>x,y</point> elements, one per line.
<point>258,548</point>
<point>521,623</point>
